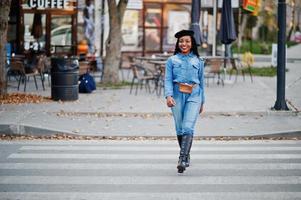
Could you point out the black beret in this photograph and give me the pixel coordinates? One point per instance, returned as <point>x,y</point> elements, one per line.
<point>183,33</point>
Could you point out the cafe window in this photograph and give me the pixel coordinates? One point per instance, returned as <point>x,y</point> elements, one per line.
<point>61,34</point>
<point>49,26</point>
<point>161,21</point>
<point>177,17</point>
<point>34,31</point>
<point>131,35</point>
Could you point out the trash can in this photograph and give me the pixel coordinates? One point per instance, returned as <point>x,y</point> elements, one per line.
<point>64,79</point>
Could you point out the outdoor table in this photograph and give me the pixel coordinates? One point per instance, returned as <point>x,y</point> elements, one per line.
<point>163,55</point>
<point>149,58</point>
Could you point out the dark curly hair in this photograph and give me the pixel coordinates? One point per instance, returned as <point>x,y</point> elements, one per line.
<point>194,47</point>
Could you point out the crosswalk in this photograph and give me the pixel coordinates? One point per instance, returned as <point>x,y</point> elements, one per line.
<point>92,170</point>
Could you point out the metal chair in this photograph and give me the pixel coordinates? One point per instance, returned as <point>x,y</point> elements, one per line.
<point>141,76</point>
<point>214,70</point>
<point>17,68</point>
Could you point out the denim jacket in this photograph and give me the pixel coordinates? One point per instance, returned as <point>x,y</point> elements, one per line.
<point>182,68</point>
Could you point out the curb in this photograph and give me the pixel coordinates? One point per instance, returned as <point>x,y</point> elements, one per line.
<point>18,129</point>
<point>30,131</point>
<point>168,114</point>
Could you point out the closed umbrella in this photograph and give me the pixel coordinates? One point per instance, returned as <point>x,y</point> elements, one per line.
<point>227,28</point>
<point>37,29</point>
<point>227,31</point>
<point>195,19</point>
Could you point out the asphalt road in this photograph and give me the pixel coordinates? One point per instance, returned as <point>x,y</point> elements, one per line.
<point>78,170</point>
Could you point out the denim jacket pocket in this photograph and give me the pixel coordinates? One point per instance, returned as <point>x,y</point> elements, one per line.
<point>177,68</point>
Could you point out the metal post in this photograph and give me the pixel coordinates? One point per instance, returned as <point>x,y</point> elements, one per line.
<point>215,5</point>
<point>280,102</point>
<point>102,26</point>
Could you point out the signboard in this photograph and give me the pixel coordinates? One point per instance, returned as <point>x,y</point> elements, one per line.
<point>42,4</point>
<point>250,5</point>
<point>135,4</point>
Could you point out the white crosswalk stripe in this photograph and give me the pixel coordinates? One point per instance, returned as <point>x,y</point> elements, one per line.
<point>149,156</point>
<point>147,170</point>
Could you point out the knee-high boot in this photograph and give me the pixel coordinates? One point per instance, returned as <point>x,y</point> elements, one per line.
<point>179,137</point>
<point>188,157</point>
<point>185,148</point>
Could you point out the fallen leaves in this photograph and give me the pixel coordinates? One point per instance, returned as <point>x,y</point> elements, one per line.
<point>19,98</point>
<point>63,113</point>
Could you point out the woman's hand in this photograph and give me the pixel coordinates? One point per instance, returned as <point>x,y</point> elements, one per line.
<point>170,101</point>
<point>201,108</point>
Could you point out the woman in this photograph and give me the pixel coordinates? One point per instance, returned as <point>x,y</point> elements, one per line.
<point>184,91</point>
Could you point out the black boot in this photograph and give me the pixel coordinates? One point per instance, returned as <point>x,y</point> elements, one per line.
<point>186,142</point>
<point>188,157</point>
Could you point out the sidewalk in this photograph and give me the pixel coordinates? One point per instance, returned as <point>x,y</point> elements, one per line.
<point>237,109</point>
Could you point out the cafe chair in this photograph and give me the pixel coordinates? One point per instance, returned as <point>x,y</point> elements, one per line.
<point>44,67</point>
<point>141,77</point>
<point>17,67</point>
<point>245,66</point>
<point>84,67</point>
<point>213,69</point>
<point>234,67</point>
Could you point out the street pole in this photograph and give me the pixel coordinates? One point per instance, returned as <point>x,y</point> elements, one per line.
<point>215,5</point>
<point>102,27</point>
<point>280,102</point>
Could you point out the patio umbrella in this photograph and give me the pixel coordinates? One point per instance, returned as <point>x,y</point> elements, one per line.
<point>227,27</point>
<point>195,19</point>
<point>227,31</point>
<point>37,29</point>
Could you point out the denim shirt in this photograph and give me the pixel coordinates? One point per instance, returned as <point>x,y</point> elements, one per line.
<point>182,68</point>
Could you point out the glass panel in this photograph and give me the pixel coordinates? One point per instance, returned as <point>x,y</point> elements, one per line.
<point>34,31</point>
<point>177,20</point>
<point>153,26</point>
<point>61,33</point>
<point>153,17</point>
<point>130,32</point>
<point>152,39</point>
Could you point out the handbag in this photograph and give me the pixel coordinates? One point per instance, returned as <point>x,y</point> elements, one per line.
<point>185,88</point>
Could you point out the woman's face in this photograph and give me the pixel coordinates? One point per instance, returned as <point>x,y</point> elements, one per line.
<point>185,44</point>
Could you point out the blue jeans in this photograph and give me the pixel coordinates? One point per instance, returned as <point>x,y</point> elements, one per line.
<point>186,110</point>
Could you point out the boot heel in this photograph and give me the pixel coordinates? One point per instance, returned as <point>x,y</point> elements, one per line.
<point>181,167</point>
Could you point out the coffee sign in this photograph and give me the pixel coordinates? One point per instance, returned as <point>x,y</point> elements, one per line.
<point>58,4</point>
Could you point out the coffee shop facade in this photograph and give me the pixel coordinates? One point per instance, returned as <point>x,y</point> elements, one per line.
<point>43,25</point>
<point>56,26</point>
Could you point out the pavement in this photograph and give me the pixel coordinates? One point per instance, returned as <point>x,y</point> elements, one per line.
<point>241,108</point>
